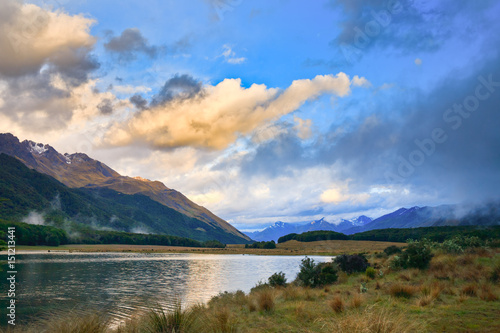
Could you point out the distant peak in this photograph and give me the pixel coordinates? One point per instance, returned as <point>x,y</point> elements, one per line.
<point>37,148</point>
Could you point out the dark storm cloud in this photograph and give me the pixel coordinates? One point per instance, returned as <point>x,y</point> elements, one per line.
<point>76,66</point>
<point>139,102</point>
<point>405,25</point>
<point>106,106</point>
<point>426,142</point>
<point>130,43</point>
<point>180,86</point>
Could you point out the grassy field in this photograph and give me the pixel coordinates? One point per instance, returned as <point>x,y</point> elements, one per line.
<point>287,248</point>
<point>456,293</point>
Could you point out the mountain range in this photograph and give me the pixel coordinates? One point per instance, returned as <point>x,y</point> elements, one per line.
<point>414,217</point>
<point>95,179</point>
<point>279,228</point>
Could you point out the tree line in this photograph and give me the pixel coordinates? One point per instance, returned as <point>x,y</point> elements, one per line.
<point>435,234</point>
<point>30,234</point>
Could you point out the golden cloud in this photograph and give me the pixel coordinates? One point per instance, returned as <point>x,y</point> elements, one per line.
<point>215,118</point>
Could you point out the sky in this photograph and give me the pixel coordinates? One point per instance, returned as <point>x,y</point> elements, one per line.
<point>266,111</point>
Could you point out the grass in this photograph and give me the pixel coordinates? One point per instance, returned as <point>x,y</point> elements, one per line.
<point>288,248</point>
<point>458,293</point>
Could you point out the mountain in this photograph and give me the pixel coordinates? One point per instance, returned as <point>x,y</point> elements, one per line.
<point>352,223</point>
<point>36,198</point>
<point>280,229</point>
<point>79,170</point>
<point>444,215</point>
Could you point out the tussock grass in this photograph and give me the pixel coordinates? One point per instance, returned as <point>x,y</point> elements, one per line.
<point>469,290</point>
<point>357,300</point>
<point>399,289</point>
<point>377,319</point>
<point>178,320</point>
<point>336,304</point>
<point>71,322</point>
<point>265,300</point>
<point>487,294</point>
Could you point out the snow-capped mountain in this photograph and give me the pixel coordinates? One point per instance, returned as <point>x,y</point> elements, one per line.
<point>279,229</point>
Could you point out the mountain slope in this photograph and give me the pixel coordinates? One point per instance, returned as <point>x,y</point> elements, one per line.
<point>44,200</point>
<point>444,215</point>
<point>79,170</point>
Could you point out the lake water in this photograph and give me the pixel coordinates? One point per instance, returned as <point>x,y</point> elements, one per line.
<point>123,283</point>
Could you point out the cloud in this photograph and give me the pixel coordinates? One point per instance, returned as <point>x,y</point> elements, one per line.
<point>128,89</point>
<point>130,43</point>
<point>178,87</point>
<point>230,56</point>
<point>392,145</point>
<point>215,118</point>
<point>45,68</point>
<point>139,102</point>
<point>338,194</point>
<point>32,37</point>
<point>406,26</point>
<point>106,106</point>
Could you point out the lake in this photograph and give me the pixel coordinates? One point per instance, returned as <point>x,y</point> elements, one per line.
<point>123,283</point>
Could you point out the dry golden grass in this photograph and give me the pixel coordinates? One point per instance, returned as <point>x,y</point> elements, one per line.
<point>469,290</point>
<point>288,248</point>
<point>265,299</point>
<point>377,319</point>
<point>336,304</point>
<point>399,289</point>
<point>486,293</point>
<point>357,300</point>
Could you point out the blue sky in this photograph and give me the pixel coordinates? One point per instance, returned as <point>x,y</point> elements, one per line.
<point>265,110</point>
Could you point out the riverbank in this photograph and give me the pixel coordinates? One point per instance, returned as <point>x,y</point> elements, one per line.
<point>332,247</point>
<point>456,293</point>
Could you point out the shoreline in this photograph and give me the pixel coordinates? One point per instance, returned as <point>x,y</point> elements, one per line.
<point>290,248</point>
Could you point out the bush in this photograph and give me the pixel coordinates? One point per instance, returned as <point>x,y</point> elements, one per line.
<point>277,280</point>
<point>370,272</point>
<point>393,249</point>
<point>351,263</point>
<point>261,245</point>
<point>459,244</point>
<point>417,255</point>
<point>314,275</point>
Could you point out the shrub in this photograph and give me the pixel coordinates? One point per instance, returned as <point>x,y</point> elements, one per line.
<point>261,245</point>
<point>416,255</point>
<point>277,280</point>
<point>307,273</point>
<point>313,275</point>
<point>370,272</point>
<point>393,249</point>
<point>351,263</point>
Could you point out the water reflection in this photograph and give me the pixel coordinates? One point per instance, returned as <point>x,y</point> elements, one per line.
<point>123,283</point>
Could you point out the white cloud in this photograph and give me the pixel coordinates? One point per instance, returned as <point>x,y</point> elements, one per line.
<point>128,89</point>
<point>230,56</point>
